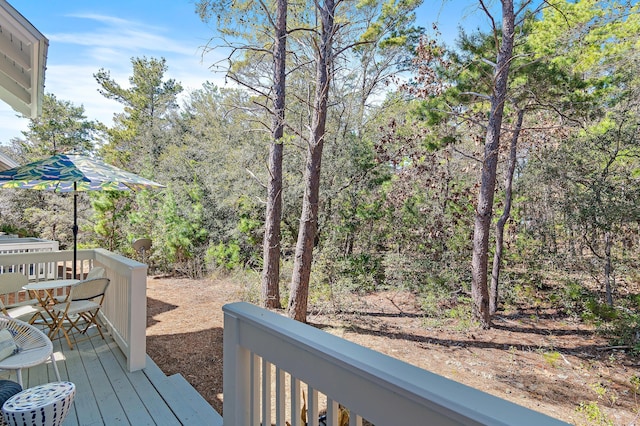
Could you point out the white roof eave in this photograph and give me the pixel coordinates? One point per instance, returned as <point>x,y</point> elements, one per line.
<point>23,59</point>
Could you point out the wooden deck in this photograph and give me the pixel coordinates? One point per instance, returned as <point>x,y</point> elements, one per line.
<point>107,394</point>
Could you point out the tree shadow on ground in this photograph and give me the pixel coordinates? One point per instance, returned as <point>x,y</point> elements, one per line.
<point>475,340</point>
<point>519,323</point>
<point>371,314</point>
<point>157,307</point>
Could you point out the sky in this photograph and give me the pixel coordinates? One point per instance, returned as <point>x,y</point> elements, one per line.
<point>85,36</point>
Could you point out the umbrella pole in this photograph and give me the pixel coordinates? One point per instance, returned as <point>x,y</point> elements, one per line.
<point>75,231</point>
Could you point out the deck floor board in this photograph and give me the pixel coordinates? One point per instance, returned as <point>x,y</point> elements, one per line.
<point>106,393</point>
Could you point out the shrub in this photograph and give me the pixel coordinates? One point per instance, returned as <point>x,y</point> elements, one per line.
<point>223,255</point>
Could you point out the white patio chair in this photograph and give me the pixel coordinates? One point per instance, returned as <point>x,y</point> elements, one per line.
<point>33,347</point>
<point>81,308</point>
<point>95,272</point>
<point>11,287</point>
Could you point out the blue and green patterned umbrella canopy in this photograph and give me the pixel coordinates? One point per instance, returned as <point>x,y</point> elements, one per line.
<point>73,172</point>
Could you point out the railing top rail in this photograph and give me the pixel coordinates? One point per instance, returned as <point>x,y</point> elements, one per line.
<point>107,258</point>
<point>99,254</point>
<point>42,256</point>
<point>304,351</point>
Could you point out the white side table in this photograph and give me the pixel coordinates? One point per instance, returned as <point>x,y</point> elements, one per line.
<point>43,405</point>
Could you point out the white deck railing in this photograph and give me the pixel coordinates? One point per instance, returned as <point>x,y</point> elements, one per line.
<point>28,245</point>
<point>267,355</point>
<point>23,245</point>
<point>125,306</point>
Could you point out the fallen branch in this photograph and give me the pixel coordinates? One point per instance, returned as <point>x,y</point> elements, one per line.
<point>610,348</point>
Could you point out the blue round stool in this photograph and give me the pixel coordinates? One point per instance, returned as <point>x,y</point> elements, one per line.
<point>8,388</point>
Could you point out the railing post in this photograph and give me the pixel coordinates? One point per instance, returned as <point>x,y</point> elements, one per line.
<point>236,376</point>
<point>138,319</point>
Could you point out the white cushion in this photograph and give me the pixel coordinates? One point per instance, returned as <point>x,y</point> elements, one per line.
<point>8,346</point>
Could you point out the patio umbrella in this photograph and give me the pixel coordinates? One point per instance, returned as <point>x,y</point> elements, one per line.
<point>73,173</point>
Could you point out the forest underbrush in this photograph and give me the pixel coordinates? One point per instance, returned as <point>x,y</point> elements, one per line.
<point>539,354</point>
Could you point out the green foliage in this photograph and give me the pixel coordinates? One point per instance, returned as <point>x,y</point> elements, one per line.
<point>136,141</point>
<point>242,249</point>
<point>593,413</point>
<point>461,312</point>
<point>444,308</point>
<point>225,256</point>
<point>111,209</point>
<point>249,224</point>
<point>181,232</point>
<point>620,324</point>
<point>430,304</point>
<point>364,269</point>
<point>592,410</point>
<point>552,358</point>
<point>596,311</point>
<point>14,230</point>
<point>586,35</point>
<point>241,20</point>
<point>395,14</point>
<point>623,328</point>
<point>351,273</point>
<point>605,393</point>
<point>634,381</point>
<point>572,297</point>
<point>143,215</point>
<point>521,287</point>
<point>62,128</point>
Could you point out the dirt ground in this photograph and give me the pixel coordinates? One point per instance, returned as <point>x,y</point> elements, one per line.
<point>552,365</point>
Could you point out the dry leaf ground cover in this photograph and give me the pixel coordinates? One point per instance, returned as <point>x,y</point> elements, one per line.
<point>536,359</point>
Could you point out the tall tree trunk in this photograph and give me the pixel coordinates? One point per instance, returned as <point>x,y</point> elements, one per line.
<point>309,217</point>
<point>508,196</point>
<point>482,221</point>
<point>608,269</point>
<point>273,215</point>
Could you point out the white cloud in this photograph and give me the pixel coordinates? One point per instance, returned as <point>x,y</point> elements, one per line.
<point>11,124</point>
<point>121,35</point>
<point>74,57</point>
